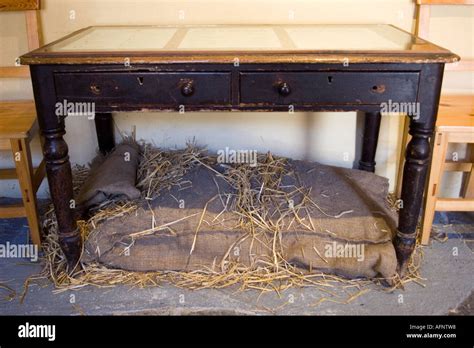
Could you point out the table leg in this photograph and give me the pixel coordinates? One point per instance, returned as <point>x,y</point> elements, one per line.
<point>58,167</point>
<point>371,137</point>
<point>104,127</point>
<point>417,159</point>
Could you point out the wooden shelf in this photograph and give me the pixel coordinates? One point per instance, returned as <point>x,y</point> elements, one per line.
<point>19,5</point>
<point>14,72</point>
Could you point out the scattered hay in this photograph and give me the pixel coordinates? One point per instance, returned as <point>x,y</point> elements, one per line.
<point>393,202</point>
<point>159,170</point>
<point>262,206</point>
<point>10,292</point>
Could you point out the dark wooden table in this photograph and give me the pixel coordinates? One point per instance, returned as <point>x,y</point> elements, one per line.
<point>246,68</point>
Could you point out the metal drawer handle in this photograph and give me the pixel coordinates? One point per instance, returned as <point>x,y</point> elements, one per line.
<point>284,89</point>
<point>187,89</point>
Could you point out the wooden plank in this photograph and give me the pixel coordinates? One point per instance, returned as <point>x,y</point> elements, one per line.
<point>262,57</point>
<point>456,113</point>
<point>34,130</point>
<point>450,101</point>
<point>19,5</point>
<point>17,119</point>
<point>8,174</point>
<point>434,183</point>
<point>14,72</point>
<point>33,29</point>
<point>467,136</point>
<point>454,204</point>
<point>39,175</point>
<point>423,22</point>
<point>24,169</point>
<point>457,167</point>
<point>5,143</point>
<point>468,187</point>
<point>12,211</point>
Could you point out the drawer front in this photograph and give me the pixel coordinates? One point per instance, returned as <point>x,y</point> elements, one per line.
<point>148,88</point>
<point>332,88</point>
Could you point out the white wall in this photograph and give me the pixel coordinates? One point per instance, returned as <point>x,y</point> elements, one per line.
<point>331,136</point>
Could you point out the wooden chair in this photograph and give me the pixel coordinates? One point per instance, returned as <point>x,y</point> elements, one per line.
<point>455,124</point>
<point>459,107</point>
<point>18,126</point>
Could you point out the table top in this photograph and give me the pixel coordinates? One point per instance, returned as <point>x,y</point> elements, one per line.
<point>370,43</point>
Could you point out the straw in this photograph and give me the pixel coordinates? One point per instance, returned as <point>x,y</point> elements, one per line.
<point>261,203</point>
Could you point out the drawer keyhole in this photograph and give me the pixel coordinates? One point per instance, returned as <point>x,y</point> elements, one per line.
<point>378,88</point>
<point>140,80</point>
<point>95,89</point>
<point>330,78</point>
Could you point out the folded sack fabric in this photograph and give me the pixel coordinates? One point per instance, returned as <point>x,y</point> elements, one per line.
<point>113,179</point>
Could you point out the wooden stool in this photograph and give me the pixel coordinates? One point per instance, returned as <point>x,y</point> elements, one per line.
<point>18,126</point>
<point>455,124</point>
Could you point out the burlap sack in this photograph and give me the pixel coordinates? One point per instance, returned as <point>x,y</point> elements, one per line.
<point>113,179</point>
<point>349,233</point>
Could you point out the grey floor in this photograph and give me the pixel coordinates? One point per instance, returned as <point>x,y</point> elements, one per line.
<point>448,268</point>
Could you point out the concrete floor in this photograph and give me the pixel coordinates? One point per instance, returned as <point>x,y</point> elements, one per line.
<point>448,268</point>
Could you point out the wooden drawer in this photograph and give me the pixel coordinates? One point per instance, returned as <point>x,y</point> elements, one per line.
<point>147,88</point>
<point>333,88</point>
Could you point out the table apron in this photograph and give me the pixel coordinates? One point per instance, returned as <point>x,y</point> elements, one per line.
<point>236,90</point>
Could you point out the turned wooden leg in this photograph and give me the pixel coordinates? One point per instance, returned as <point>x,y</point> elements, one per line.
<point>104,127</point>
<point>417,159</point>
<point>58,168</point>
<point>59,174</point>
<point>371,137</point>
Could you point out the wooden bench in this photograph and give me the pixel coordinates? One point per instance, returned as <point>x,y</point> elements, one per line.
<point>18,126</point>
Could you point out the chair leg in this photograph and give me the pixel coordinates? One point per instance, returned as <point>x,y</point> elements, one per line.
<point>434,183</point>
<point>468,190</point>
<point>24,170</point>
